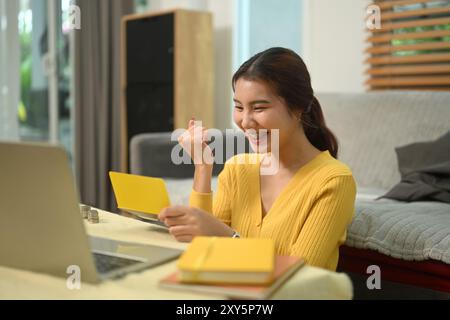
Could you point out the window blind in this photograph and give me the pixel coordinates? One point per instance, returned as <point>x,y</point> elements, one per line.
<point>411,49</point>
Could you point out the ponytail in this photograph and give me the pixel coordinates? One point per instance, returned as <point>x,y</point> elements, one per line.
<point>315,129</point>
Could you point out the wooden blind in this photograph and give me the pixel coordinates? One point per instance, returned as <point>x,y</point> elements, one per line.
<point>411,49</point>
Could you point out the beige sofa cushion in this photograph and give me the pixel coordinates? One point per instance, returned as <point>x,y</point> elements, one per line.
<point>370,125</point>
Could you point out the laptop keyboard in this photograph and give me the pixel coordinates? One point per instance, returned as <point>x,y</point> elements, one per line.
<point>106,263</point>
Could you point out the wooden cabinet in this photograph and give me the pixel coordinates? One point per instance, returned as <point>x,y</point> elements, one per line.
<point>167,72</point>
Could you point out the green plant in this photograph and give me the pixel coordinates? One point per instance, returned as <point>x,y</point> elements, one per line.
<point>398,42</point>
<point>25,75</point>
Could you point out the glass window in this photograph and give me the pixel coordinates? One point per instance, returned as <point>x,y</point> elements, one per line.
<point>45,60</point>
<point>261,24</point>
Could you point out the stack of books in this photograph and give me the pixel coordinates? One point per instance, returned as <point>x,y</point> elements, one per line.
<point>236,268</point>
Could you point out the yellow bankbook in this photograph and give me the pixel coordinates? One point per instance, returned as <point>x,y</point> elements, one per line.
<point>139,194</point>
<point>228,260</point>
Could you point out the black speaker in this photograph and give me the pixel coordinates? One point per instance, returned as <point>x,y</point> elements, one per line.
<point>149,77</point>
<point>149,108</point>
<point>150,50</point>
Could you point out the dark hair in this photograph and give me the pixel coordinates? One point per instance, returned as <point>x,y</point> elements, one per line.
<point>287,74</point>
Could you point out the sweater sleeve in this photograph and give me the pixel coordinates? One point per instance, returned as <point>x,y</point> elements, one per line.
<point>325,227</point>
<point>221,206</point>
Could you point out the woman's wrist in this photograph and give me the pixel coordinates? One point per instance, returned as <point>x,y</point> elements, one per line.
<point>204,167</point>
<point>228,232</point>
<point>202,178</point>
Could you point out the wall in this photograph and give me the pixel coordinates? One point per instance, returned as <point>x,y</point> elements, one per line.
<point>155,5</point>
<point>333,45</point>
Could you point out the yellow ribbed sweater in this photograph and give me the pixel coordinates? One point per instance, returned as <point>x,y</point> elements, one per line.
<point>309,217</point>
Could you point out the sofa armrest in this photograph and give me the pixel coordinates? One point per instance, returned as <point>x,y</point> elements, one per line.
<point>150,155</point>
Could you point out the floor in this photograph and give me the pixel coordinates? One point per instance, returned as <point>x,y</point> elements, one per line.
<point>392,290</point>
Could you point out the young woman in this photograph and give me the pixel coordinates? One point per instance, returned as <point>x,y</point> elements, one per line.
<point>308,203</point>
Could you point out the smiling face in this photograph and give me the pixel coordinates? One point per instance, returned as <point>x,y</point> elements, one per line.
<point>257,108</point>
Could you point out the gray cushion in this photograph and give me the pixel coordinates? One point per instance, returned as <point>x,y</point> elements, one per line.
<point>425,171</point>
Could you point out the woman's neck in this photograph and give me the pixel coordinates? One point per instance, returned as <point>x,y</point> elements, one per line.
<point>296,153</point>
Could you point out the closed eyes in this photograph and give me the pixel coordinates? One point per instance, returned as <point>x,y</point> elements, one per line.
<point>257,109</point>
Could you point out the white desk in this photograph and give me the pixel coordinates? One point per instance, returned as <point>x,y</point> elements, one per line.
<point>307,283</point>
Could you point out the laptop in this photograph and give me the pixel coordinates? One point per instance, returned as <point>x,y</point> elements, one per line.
<point>144,197</point>
<point>41,228</point>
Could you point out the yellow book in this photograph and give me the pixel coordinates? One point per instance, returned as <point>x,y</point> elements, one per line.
<point>142,196</point>
<point>285,267</point>
<point>228,260</point>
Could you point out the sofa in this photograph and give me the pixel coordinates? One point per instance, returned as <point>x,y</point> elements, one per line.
<point>410,242</point>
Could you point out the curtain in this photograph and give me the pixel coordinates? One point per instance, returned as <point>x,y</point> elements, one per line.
<point>10,70</point>
<point>97,98</point>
